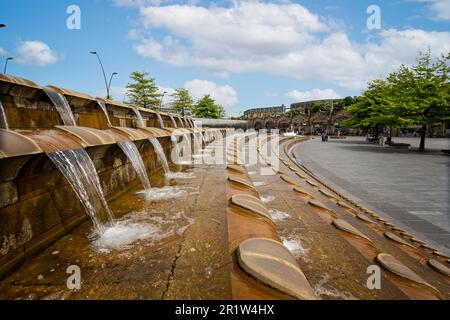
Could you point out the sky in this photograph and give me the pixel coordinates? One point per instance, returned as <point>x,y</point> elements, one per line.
<point>246,54</point>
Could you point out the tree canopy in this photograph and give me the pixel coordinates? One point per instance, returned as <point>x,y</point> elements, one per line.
<point>182,100</point>
<point>206,107</point>
<point>143,91</point>
<point>417,95</point>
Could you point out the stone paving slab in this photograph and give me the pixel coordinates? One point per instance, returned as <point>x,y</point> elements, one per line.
<point>410,187</point>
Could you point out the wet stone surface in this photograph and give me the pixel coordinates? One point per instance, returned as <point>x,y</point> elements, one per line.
<point>147,268</point>
<point>270,262</point>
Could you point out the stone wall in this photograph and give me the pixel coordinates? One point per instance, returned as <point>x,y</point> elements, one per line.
<point>37,205</point>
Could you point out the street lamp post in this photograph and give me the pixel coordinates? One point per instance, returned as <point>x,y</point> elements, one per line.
<point>104,74</point>
<point>109,84</point>
<point>160,101</point>
<point>6,64</point>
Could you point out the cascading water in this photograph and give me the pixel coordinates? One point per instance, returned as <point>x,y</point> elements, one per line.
<point>103,107</point>
<point>161,122</point>
<point>174,123</point>
<point>176,147</point>
<point>62,106</point>
<point>141,122</point>
<point>3,120</point>
<point>162,156</point>
<point>79,170</point>
<point>132,153</point>
<point>197,142</point>
<point>188,142</point>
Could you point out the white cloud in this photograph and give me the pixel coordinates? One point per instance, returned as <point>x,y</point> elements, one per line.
<point>314,94</point>
<point>167,98</point>
<point>276,38</point>
<point>439,9</point>
<point>224,95</point>
<point>2,52</point>
<point>35,53</point>
<point>137,3</point>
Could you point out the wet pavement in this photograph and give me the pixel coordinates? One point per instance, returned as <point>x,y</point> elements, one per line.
<point>411,188</point>
<point>180,252</point>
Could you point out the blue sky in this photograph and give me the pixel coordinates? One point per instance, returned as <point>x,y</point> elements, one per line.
<point>245,53</point>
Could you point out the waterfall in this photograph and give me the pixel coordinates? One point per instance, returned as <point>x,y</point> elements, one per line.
<point>3,120</point>
<point>188,141</point>
<point>176,146</point>
<point>162,156</point>
<point>197,142</point>
<point>182,123</point>
<point>161,122</point>
<point>62,106</point>
<point>79,170</point>
<point>141,121</point>
<point>132,153</point>
<point>103,106</point>
<point>173,121</point>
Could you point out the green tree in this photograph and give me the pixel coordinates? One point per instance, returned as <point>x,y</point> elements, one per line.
<point>376,108</point>
<point>182,100</point>
<point>206,107</point>
<point>417,95</point>
<point>422,92</point>
<point>143,91</point>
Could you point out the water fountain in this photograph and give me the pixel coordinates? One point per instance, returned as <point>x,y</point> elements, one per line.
<point>62,106</point>
<point>3,120</point>
<point>79,170</point>
<point>162,156</point>
<point>130,150</point>
<point>141,121</point>
<point>174,123</point>
<point>161,122</point>
<point>132,153</point>
<point>103,107</point>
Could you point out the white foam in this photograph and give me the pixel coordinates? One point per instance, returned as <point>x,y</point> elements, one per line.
<point>320,290</point>
<point>267,199</point>
<point>278,215</point>
<point>163,193</point>
<point>180,175</point>
<point>137,227</point>
<point>295,247</point>
<point>259,183</point>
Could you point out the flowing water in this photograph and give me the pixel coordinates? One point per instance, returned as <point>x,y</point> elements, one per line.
<point>176,148</point>
<point>141,121</point>
<point>162,156</point>
<point>3,120</point>
<point>174,123</point>
<point>62,106</point>
<point>79,170</point>
<point>161,122</point>
<point>187,140</point>
<point>103,107</point>
<point>132,153</point>
<point>197,143</point>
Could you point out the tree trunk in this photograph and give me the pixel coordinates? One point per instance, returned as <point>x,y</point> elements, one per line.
<point>422,138</point>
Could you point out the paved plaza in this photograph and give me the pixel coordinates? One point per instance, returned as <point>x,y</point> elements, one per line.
<point>405,185</point>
